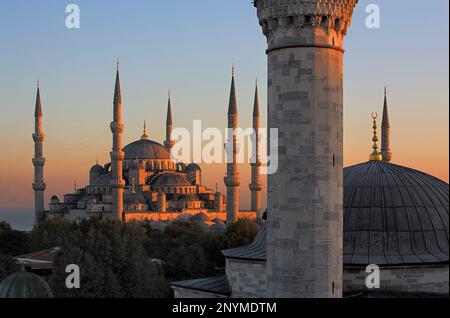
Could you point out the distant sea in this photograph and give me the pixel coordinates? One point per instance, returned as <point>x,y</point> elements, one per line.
<point>19,219</point>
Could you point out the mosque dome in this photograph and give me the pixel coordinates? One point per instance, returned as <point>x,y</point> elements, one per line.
<point>133,198</point>
<point>145,149</point>
<point>394,215</point>
<point>200,217</point>
<point>171,179</point>
<point>24,285</point>
<point>102,180</point>
<point>193,167</point>
<point>97,168</point>
<point>218,228</point>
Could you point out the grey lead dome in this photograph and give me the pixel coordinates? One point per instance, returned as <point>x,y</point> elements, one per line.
<point>394,215</point>
<point>145,149</point>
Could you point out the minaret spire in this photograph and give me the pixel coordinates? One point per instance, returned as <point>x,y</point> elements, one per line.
<point>169,124</point>
<point>232,180</point>
<point>385,131</point>
<point>38,160</point>
<point>117,155</point>
<point>255,186</point>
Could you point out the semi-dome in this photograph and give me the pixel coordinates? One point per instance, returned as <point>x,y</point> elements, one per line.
<point>145,149</point>
<point>172,179</point>
<point>97,168</point>
<point>193,167</point>
<point>133,198</point>
<point>394,215</point>
<point>24,285</point>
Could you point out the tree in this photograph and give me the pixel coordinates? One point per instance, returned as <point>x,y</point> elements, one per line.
<point>12,242</point>
<point>111,258</point>
<point>241,233</point>
<point>8,266</point>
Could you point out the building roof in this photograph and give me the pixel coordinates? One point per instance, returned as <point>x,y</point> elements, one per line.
<point>38,260</point>
<point>394,215</point>
<point>97,168</point>
<point>255,251</point>
<point>215,285</point>
<point>24,285</point>
<point>145,149</point>
<point>193,167</point>
<point>170,179</point>
<point>133,198</point>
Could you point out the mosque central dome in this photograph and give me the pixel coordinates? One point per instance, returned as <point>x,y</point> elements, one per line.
<point>394,215</point>
<point>145,149</point>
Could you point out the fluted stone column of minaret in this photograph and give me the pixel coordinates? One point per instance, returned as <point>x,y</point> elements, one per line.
<point>169,143</point>
<point>256,186</point>
<point>385,132</point>
<point>305,102</point>
<point>232,180</point>
<point>117,155</point>
<point>38,161</point>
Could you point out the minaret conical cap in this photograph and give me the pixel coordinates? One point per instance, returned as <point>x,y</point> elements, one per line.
<point>117,93</point>
<point>256,104</point>
<point>169,111</point>
<point>232,108</point>
<point>38,107</point>
<point>385,122</point>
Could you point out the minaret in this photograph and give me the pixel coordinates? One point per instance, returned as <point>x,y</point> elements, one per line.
<point>305,103</point>
<point>255,186</point>
<point>117,155</point>
<point>385,132</point>
<point>169,126</point>
<point>38,161</point>
<point>232,178</point>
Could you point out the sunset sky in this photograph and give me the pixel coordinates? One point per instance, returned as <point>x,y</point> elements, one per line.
<point>189,47</point>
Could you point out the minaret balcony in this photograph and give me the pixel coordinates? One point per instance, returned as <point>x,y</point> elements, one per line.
<point>255,187</point>
<point>232,181</point>
<point>39,186</point>
<point>39,137</point>
<point>117,128</point>
<point>38,162</point>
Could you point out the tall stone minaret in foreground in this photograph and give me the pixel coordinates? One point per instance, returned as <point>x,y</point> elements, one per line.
<point>255,186</point>
<point>38,161</point>
<point>169,143</point>
<point>231,180</point>
<point>117,155</point>
<point>385,131</point>
<point>305,102</point>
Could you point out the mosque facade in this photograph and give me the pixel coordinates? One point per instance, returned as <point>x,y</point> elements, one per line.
<point>144,182</point>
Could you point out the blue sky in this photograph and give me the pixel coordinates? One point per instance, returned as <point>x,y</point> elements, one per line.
<point>189,46</point>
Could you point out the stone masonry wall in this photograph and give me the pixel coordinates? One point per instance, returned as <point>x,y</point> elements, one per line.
<point>406,279</point>
<point>247,279</point>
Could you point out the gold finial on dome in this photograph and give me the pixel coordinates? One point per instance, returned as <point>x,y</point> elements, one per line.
<point>375,155</point>
<point>144,135</point>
